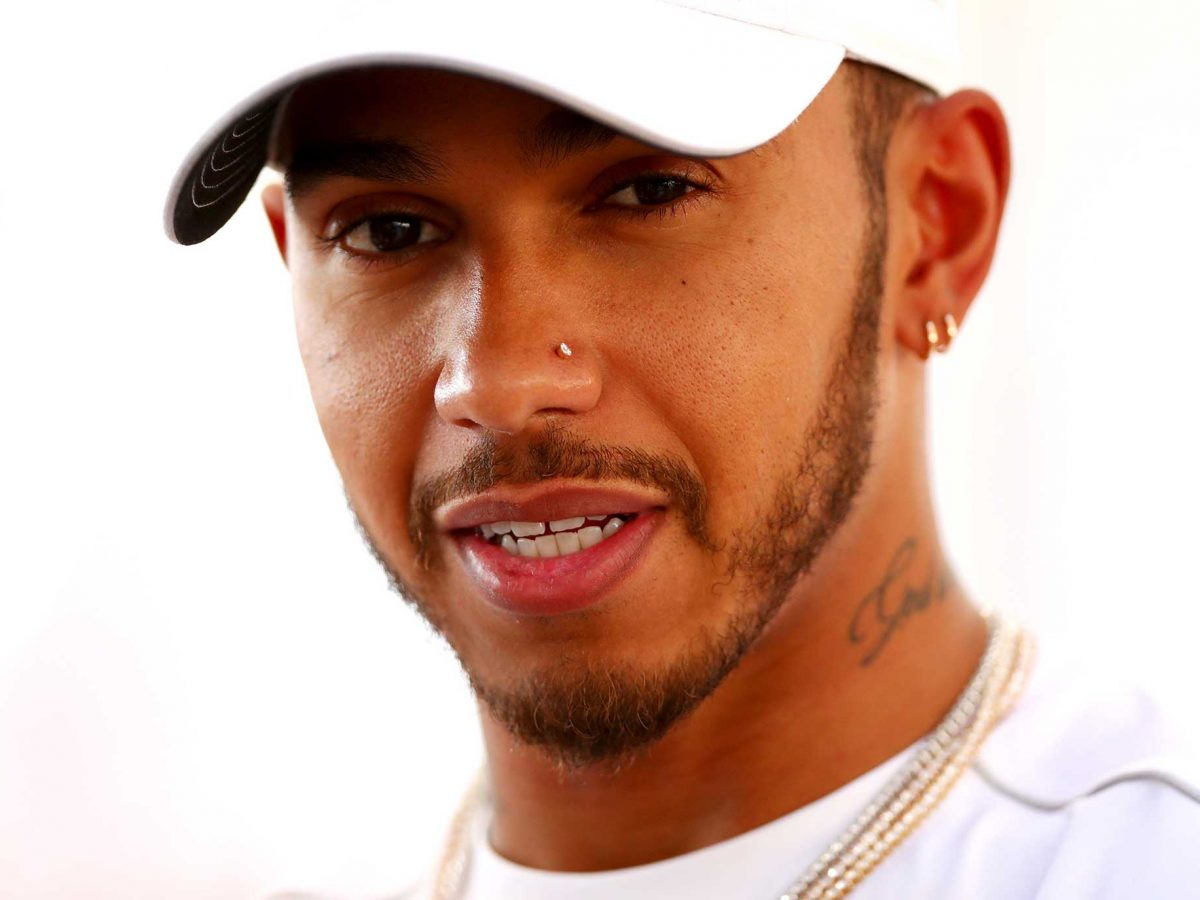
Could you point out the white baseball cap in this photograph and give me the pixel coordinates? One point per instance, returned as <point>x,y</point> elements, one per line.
<point>697,77</point>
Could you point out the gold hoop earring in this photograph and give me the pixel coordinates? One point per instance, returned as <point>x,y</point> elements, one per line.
<point>935,340</point>
<point>951,331</point>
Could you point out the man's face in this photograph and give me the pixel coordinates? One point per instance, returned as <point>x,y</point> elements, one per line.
<point>723,317</point>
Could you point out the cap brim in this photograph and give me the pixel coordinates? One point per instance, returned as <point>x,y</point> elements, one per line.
<point>673,77</point>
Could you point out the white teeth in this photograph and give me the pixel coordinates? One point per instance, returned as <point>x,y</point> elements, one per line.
<point>568,542</point>
<point>589,537</point>
<point>529,539</point>
<point>528,529</point>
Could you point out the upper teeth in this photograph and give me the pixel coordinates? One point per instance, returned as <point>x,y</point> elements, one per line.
<point>566,536</point>
<point>521,529</point>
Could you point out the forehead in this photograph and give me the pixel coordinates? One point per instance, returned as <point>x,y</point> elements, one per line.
<point>432,127</point>
<point>426,107</point>
<point>430,108</point>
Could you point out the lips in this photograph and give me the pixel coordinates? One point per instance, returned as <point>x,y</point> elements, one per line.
<point>543,503</point>
<point>561,578</point>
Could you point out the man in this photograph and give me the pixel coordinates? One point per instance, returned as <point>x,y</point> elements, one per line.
<point>617,321</point>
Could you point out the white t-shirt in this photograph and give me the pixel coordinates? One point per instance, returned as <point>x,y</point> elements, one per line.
<point>1082,792</point>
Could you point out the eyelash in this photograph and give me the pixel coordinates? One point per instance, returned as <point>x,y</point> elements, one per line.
<point>701,186</point>
<point>367,261</point>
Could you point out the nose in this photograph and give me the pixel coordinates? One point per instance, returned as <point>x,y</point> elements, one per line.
<point>505,369</point>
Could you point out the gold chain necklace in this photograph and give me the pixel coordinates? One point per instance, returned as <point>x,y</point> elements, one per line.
<point>892,814</point>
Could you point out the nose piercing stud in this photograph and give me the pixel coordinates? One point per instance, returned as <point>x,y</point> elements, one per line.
<point>564,350</point>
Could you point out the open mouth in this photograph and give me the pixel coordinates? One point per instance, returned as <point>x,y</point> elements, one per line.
<point>552,548</point>
<point>552,539</point>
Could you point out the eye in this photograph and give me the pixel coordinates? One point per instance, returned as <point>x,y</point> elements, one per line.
<point>650,190</point>
<point>389,233</point>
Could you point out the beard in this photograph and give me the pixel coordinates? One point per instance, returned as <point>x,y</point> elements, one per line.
<point>585,712</point>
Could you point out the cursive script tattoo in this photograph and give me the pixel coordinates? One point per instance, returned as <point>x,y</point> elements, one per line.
<point>888,604</point>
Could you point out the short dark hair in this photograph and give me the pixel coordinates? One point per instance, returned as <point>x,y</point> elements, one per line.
<point>878,99</point>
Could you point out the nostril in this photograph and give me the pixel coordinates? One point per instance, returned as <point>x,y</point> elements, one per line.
<point>503,386</point>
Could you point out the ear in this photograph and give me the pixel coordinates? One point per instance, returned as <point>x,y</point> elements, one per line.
<point>273,202</point>
<point>951,171</point>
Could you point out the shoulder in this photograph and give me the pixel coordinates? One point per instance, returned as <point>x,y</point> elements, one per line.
<point>1110,778</point>
<point>1078,730</point>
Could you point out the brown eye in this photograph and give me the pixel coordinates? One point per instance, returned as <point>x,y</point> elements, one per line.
<point>651,190</point>
<point>390,233</point>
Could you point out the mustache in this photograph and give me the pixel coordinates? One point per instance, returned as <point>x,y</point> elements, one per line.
<point>556,453</point>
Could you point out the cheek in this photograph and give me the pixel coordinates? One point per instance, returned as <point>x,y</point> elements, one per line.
<point>368,377</point>
<point>737,350</point>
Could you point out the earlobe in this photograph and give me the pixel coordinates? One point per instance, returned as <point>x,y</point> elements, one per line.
<point>273,203</point>
<point>954,172</point>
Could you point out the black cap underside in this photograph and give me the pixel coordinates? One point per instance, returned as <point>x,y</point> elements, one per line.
<point>223,176</point>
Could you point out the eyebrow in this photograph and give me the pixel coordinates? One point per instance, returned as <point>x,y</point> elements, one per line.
<point>373,160</point>
<point>560,134</point>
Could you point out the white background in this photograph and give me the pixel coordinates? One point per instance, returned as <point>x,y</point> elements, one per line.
<point>206,689</point>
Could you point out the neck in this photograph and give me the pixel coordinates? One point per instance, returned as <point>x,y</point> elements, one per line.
<point>869,653</point>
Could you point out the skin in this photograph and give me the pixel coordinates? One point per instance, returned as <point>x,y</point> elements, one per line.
<point>741,295</point>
